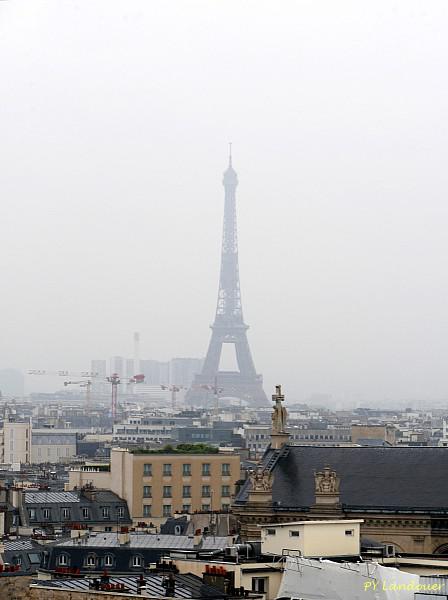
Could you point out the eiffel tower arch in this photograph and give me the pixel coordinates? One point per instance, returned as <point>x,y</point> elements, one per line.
<point>229,326</point>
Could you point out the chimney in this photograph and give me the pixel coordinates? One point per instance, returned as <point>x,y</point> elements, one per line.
<point>197,538</point>
<point>123,537</point>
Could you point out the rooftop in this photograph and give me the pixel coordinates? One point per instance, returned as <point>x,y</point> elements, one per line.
<point>146,540</point>
<point>51,497</point>
<point>187,586</point>
<point>334,522</point>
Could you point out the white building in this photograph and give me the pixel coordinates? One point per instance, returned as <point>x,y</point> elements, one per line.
<point>313,538</point>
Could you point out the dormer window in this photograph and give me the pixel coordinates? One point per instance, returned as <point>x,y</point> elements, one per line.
<point>137,561</point>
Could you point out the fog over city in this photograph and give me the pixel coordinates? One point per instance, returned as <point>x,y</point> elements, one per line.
<point>115,119</point>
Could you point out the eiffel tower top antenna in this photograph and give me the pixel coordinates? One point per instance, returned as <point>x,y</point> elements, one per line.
<point>230,154</point>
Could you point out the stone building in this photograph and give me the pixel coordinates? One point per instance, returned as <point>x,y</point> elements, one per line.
<point>399,492</point>
<point>156,485</point>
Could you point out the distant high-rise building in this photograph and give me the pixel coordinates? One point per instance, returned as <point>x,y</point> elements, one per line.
<point>155,372</point>
<point>11,382</point>
<point>184,370</point>
<point>117,365</point>
<point>99,367</point>
<point>130,368</point>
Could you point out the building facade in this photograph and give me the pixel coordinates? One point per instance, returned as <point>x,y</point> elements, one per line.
<point>158,485</point>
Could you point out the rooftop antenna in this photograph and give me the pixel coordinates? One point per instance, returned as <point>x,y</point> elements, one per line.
<point>230,154</point>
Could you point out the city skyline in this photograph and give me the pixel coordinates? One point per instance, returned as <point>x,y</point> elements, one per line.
<point>111,199</point>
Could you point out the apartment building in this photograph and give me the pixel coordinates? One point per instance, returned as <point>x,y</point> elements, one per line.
<point>15,441</point>
<point>158,485</point>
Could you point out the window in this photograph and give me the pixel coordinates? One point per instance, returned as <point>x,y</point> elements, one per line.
<point>147,470</point>
<point>85,513</point>
<point>225,507</point>
<point>350,532</point>
<point>46,513</point>
<point>108,529</point>
<point>91,560</point>
<point>294,533</point>
<point>120,512</point>
<point>167,510</point>
<point>137,561</point>
<point>167,491</point>
<point>66,514</point>
<point>32,514</point>
<point>63,560</point>
<point>146,510</point>
<point>225,491</point>
<point>205,507</point>
<point>270,532</point>
<point>108,560</point>
<point>225,469</point>
<point>186,491</point>
<point>186,470</point>
<point>167,470</point>
<point>186,508</point>
<point>205,469</point>
<point>260,585</point>
<point>106,512</point>
<point>206,491</point>
<point>147,491</point>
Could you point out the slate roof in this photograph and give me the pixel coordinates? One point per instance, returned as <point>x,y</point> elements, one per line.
<point>51,497</point>
<point>371,477</point>
<point>187,586</point>
<point>27,551</point>
<point>140,540</point>
<point>75,502</point>
<point>14,545</point>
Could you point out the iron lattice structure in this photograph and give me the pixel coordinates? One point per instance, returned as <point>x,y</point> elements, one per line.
<point>229,326</point>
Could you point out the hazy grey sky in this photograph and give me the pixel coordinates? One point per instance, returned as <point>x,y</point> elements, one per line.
<point>114,123</point>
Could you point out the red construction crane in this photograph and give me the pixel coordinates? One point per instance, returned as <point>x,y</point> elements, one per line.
<point>115,381</point>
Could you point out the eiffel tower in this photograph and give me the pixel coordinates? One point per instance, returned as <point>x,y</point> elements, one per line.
<point>229,326</point>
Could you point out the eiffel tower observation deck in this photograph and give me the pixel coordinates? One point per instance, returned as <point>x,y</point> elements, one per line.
<point>229,326</point>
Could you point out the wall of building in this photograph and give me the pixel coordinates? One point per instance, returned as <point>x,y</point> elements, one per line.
<point>313,538</point>
<point>52,448</point>
<point>243,573</point>
<point>17,442</point>
<point>373,432</point>
<point>130,477</point>
<point>80,477</point>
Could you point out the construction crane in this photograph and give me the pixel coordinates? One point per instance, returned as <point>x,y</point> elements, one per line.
<point>174,389</point>
<point>115,381</point>
<point>89,375</point>
<point>84,384</point>
<point>216,392</point>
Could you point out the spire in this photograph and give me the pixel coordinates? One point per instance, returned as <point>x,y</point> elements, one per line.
<point>230,176</point>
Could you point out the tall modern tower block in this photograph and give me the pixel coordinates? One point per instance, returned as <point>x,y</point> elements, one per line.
<point>229,326</point>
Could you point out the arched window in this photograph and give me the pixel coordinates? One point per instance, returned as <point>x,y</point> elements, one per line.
<point>63,560</point>
<point>137,560</point>
<point>91,560</point>
<point>108,560</point>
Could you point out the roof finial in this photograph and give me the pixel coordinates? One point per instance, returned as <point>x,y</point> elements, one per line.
<point>230,154</point>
